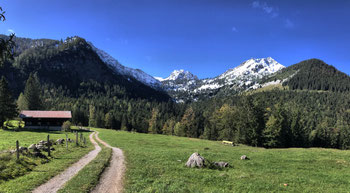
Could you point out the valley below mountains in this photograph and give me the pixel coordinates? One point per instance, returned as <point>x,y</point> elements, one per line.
<point>259,103</point>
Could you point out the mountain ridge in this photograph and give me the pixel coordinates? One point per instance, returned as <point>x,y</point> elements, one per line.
<point>244,75</point>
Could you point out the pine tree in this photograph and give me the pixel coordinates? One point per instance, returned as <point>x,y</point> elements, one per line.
<point>92,116</point>
<point>109,120</point>
<point>276,133</point>
<point>168,127</point>
<point>21,102</point>
<point>32,94</point>
<point>188,123</point>
<point>179,129</point>
<point>153,128</point>
<point>8,108</point>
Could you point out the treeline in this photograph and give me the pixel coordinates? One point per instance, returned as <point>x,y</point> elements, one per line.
<point>267,119</point>
<point>314,74</point>
<point>277,118</point>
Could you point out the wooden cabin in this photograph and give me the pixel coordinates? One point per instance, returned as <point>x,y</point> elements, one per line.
<point>50,120</point>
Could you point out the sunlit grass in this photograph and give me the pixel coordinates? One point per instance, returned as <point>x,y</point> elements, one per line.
<point>156,163</point>
<point>29,172</point>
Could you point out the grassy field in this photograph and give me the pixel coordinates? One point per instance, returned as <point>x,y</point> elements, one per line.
<point>29,172</point>
<point>26,138</point>
<point>156,163</point>
<point>88,177</point>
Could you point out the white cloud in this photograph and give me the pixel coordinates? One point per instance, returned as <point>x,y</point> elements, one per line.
<point>270,10</point>
<point>289,24</point>
<point>234,29</point>
<point>11,31</point>
<point>256,4</point>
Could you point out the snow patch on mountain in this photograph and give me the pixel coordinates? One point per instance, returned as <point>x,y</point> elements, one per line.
<point>254,68</point>
<point>126,71</point>
<point>181,75</point>
<point>245,76</point>
<point>159,78</point>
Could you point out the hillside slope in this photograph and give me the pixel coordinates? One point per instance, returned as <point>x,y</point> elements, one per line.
<point>74,65</point>
<point>313,74</point>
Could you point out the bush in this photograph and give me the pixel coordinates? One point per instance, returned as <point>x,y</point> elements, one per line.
<point>66,126</point>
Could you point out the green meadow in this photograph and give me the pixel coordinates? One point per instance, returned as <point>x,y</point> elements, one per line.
<point>30,171</point>
<point>156,163</point>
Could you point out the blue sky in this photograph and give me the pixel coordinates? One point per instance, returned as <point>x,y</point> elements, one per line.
<point>206,37</point>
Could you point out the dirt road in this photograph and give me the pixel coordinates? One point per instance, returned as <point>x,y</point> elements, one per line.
<point>57,182</point>
<point>112,179</point>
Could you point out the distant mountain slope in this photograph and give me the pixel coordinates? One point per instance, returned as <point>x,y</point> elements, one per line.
<point>183,85</point>
<point>313,74</point>
<point>72,64</point>
<point>123,70</point>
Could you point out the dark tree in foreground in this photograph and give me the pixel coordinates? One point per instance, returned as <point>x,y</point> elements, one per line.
<point>6,46</point>
<point>8,108</point>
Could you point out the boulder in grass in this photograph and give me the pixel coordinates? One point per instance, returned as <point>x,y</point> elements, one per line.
<point>33,146</point>
<point>60,141</point>
<point>221,164</point>
<point>195,160</point>
<point>244,157</point>
<point>40,146</point>
<point>22,149</point>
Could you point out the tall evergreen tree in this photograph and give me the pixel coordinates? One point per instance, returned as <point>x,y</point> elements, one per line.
<point>21,102</point>
<point>32,94</point>
<point>153,126</point>
<point>8,108</point>
<point>92,116</point>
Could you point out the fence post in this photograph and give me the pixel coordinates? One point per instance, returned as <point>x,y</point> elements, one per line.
<point>67,141</point>
<point>17,149</point>
<point>76,137</point>
<point>48,145</point>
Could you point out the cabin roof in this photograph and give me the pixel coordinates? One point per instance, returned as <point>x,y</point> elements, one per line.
<point>46,114</point>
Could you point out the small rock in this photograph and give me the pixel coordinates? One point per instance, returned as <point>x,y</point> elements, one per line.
<point>22,149</point>
<point>39,154</point>
<point>40,146</point>
<point>33,146</point>
<point>244,157</point>
<point>60,141</point>
<point>179,160</point>
<point>195,160</point>
<point>221,164</point>
<point>42,142</point>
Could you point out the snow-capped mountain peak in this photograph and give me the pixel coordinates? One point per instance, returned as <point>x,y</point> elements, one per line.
<point>181,75</point>
<point>126,71</point>
<point>253,67</point>
<point>239,78</point>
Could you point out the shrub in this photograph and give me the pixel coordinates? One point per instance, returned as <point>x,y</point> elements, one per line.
<point>66,126</point>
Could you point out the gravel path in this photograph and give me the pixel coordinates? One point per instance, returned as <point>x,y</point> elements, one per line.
<point>57,182</point>
<point>112,178</point>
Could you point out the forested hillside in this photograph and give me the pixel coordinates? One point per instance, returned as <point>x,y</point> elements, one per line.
<point>72,67</point>
<point>313,74</point>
